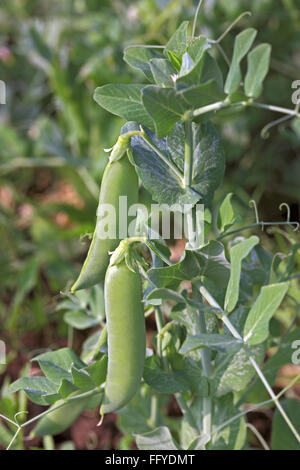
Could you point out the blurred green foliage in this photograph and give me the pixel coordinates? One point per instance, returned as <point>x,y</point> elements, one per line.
<point>52,56</point>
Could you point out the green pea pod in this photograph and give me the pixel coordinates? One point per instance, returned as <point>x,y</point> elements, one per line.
<point>126,336</point>
<point>61,419</point>
<point>119,179</point>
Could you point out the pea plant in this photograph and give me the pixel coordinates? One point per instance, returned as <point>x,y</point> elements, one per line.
<point>214,307</point>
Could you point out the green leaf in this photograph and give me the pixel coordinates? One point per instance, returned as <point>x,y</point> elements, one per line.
<point>166,294</point>
<point>85,310</point>
<point>165,106</point>
<point>202,95</point>
<point>82,379</point>
<point>233,436</point>
<point>192,369</point>
<point>158,439</point>
<point>283,265</point>
<point>199,443</point>
<point>162,72</point>
<point>282,437</point>
<point>255,273</point>
<point>208,262</point>
<point>209,159</point>
<point>242,44</point>
<point>57,365</point>
<point>62,418</point>
<point>178,41</point>
<point>37,388</point>
<point>133,418</point>
<point>97,371</point>
<point>157,176</point>
<point>175,61</point>
<point>257,324</point>
<point>80,320</point>
<point>66,388</point>
<point>272,366</point>
<point>140,57</point>
<point>163,381</point>
<point>171,276</point>
<point>204,70</point>
<point>258,66</point>
<point>216,342</point>
<point>237,253</point>
<point>187,64</point>
<point>196,48</point>
<point>226,213</point>
<point>233,372</point>
<point>124,101</point>
<point>96,301</point>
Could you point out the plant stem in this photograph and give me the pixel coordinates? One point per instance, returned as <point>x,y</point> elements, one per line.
<point>67,400</point>
<point>186,412</point>
<point>14,438</point>
<point>216,41</point>
<point>236,334</point>
<point>188,153</point>
<point>206,365</point>
<point>179,398</point>
<point>257,224</point>
<point>210,107</point>
<point>154,411</point>
<point>253,407</point>
<point>196,18</point>
<point>223,104</point>
<point>258,436</point>
<point>277,109</point>
<point>159,324</point>
<point>9,420</point>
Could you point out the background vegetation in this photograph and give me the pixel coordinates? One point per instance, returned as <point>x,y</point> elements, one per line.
<point>53,54</point>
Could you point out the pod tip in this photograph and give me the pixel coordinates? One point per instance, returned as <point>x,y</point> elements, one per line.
<point>101,421</point>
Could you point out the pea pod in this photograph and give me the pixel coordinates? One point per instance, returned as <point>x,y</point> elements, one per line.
<point>62,418</point>
<point>126,336</point>
<point>119,179</point>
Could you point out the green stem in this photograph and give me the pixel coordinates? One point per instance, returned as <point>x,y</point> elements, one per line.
<point>257,224</point>
<point>206,365</point>
<point>258,436</point>
<point>277,109</point>
<point>154,411</point>
<point>236,334</point>
<point>226,103</point>
<point>179,398</point>
<point>209,108</point>
<point>67,400</point>
<point>188,153</point>
<point>253,407</point>
<point>186,412</point>
<point>196,18</point>
<point>160,324</point>
<point>14,438</point>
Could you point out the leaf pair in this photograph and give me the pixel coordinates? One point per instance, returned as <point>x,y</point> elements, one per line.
<point>258,65</point>
<point>65,374</point>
